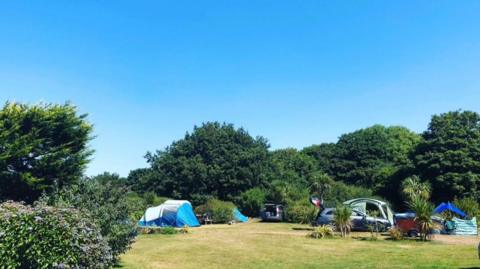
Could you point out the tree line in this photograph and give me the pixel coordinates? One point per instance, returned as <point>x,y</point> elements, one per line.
<point>45,147</point>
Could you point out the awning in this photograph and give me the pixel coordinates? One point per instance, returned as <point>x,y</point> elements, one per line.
<point>449,206</point>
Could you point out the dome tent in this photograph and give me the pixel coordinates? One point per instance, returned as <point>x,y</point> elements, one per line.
<point>238,216</point>
<point>174,213</point>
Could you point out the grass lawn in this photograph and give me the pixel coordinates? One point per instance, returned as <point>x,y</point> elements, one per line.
<point>277,245</point>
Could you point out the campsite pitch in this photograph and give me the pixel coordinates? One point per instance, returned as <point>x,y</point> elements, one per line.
<point>278,245</point>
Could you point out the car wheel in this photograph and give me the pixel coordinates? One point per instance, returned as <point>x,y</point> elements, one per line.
<point>412,233</point>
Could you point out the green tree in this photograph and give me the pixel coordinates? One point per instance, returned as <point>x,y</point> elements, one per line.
<point>370,157</point>
<point>138,180</point>
<point>449,155</point>
<point>214,160</point>
<point>41,146</point>
<point>413,187</point>
<point>292,166</point>
<point>251,201</point>
<point>320,183</point>
<point>323,155</point>
<point>423,215</point>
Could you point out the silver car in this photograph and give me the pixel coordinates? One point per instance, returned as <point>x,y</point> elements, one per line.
<point>360,220</point>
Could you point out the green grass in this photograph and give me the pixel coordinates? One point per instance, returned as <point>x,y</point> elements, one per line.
<point>277,245</point>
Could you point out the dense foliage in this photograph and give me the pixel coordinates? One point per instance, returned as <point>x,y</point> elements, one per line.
<point>323,155</point>
<point>251,201</point>
<point>104,201</point>
<point>41,146</point>
<point>218,211</point>
<point>49,237</point>
<point>449,155</point>
<point>215,160</point>
<point>44,148</point>
<point>370,157</point>
<point>291,166</point>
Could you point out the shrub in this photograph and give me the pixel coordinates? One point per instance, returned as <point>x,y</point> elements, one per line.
<point>219,211</point>
<point>342,219</point>
<point>300,213</point>
<point>469,205</point>
<point>340,192</point>
<point>145,230</point>
<point>423,216</point>
<point>49,237</point>
<point>164,230</point>
<point>167,230</point>
<point>251,201</point>
<point>321,232</point>
<point>395,234</point>
<point>106,204</point>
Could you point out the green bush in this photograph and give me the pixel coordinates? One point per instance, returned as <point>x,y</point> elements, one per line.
<point>167,230</point>
<point>251,201</point>
<point>321,232</point>
<point>106,204</point>
<point>49,237</point>
<point>164,230</point>
<point>468,205</point>
<point>340,192</point>
<point>219,211</point>
<point>301,213</point>
<point>342,219</point>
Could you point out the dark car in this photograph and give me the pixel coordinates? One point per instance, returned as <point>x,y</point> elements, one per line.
<point>360,221</point>
<point>272,212</point>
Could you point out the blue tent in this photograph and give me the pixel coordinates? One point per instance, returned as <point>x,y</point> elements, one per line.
<point>449,206</point>
<point>239,216</point>
<point>173,213</point>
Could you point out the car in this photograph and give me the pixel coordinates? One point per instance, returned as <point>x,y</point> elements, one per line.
<point>272,212</point>
<point>360,220</point>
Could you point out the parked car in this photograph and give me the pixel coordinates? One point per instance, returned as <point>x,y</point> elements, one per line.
<point>406,223</point>
<point>360,220</point>
<point>272,212</point>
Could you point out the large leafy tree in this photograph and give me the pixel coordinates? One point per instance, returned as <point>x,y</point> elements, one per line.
<point>449,156</point>
<point>41,146</point>
<point>370,157</point>
<point>323,155</point>
<point>292,166</point>
<point>215,160</point>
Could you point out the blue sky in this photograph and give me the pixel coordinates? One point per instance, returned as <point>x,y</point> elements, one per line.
<point>296,72</point>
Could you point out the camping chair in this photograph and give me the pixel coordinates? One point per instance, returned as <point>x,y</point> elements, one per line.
<point>207,219</point>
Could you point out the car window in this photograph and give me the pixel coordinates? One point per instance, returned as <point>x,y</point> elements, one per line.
<point>357,214</point>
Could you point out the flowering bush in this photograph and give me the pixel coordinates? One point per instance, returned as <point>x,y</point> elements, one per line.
<point>49,237</point>
<point>103,202</point>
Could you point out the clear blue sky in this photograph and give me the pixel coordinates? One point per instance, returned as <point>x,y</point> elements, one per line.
<point>296,72</point>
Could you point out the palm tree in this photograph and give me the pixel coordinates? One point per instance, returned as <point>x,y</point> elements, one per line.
<point>320,183</point>
<point>423,216</point>
<point>342,219</point>
<point>413,187</point>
